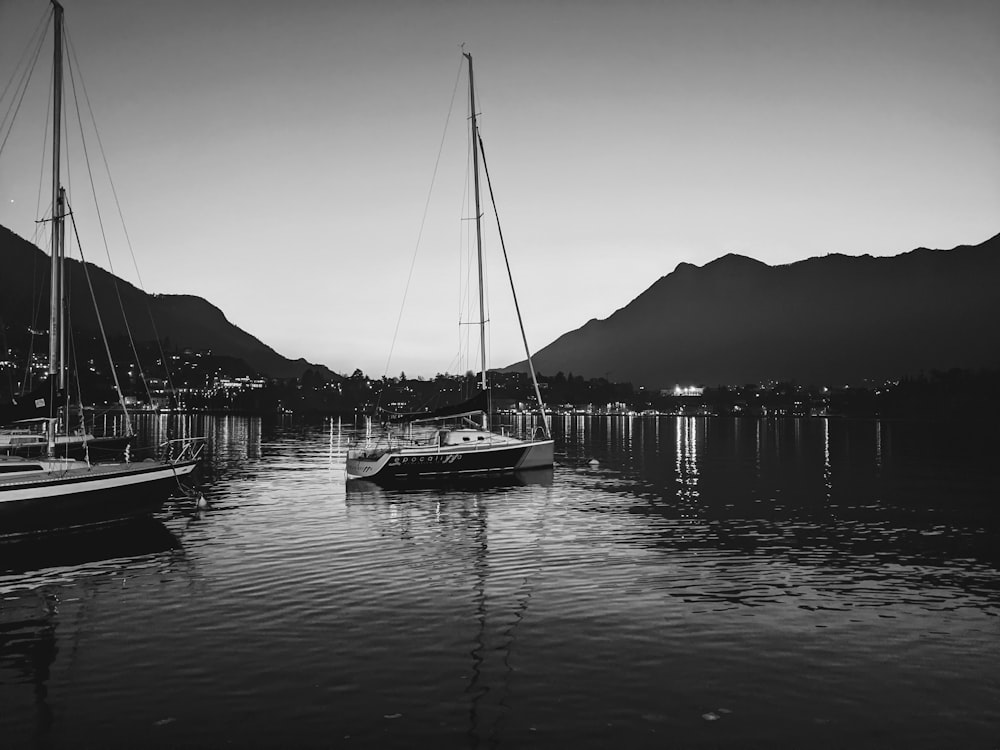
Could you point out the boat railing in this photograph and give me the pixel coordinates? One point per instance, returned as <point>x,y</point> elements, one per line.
<point>373,445</point>
<point>184,449</point>
<point>529,435</point>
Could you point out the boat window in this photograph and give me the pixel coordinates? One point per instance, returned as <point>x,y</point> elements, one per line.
<point>19,467</point>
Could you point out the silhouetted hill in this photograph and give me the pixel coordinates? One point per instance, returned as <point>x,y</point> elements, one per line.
<point>183,321</point>
<point>831,320</point>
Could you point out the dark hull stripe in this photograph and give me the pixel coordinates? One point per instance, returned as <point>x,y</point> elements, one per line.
<point>88,506</point>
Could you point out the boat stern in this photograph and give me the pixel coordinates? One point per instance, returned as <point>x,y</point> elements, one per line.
<point>365,464</point>
<point>539,454</point>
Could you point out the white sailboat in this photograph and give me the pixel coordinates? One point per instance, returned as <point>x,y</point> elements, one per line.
<point>464,449</point>
<point>43,493</point>
<point>31,437</point>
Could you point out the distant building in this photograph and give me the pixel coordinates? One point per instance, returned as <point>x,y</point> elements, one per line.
<point>239,383</point>
<point>685,390</point>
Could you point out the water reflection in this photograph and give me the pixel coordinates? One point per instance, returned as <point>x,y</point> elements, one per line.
<point>878,445</point>
<point>74,548</point>
<point>47,583</point>
<point>700,562</point>
<point>793,485</point>
<point>467,531</point>
<point>28,649</point>
<point>686,464</point>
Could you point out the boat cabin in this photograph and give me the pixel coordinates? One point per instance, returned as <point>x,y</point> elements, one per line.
<point>462,436</point>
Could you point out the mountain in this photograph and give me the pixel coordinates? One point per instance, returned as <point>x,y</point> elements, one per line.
<point>835,319</point>
<point>184,321</point>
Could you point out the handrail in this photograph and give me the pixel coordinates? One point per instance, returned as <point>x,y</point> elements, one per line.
<point>183,440</point>
<point>188,452</point>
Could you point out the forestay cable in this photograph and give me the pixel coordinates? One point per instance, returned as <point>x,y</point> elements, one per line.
<point>97,313</point>
<point>423,222</point>
<point>73,71</point>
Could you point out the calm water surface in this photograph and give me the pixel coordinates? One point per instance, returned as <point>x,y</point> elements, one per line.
<point>674,582</point>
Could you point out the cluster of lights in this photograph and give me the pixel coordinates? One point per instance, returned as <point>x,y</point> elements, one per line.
<point>688,390</point>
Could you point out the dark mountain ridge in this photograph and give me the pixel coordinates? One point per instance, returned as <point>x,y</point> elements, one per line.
<point>183,321</point>
<point>834,320</point>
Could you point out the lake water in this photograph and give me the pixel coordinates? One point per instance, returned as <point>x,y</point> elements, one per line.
<point>674,582</point>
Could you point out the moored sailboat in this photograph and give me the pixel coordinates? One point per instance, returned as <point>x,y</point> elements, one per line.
<point>29,431</point>
<point>50,492</point>
<point>29,438</point>
<point>449,443</point>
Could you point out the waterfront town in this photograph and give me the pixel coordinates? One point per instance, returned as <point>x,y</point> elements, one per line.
<point>200,381</point>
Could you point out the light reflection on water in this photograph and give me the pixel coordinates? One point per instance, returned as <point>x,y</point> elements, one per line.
<point>687,581</point>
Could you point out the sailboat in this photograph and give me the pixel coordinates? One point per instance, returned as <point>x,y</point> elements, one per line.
<point>54,491</point>
<point>458,446</point>
<point>27,428</point>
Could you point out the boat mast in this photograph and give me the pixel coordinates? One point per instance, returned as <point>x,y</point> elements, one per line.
<point>55,276</point>
<point>62,314</point>
<point>479,233</point>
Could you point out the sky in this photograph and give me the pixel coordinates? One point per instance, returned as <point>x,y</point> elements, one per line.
<point>278,159</point>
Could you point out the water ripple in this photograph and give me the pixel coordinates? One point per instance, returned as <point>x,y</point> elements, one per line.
<point>705,583</point>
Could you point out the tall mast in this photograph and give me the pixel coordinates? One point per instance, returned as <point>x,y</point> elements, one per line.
<point>479,232</point>
<point>62,314</point>
<point>55,276</point>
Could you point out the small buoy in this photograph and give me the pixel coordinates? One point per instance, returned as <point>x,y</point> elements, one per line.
<point>201,502</point>
<point>593,462</point>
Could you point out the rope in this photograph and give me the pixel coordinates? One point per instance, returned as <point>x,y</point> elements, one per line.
<point>33,330</point>
<point>41,163</point>
<point>423,222</point>
<point>79,387</point>
<point>128,239</point>
<point>22,85</point>
<point>3,342</point>
<point>513,292</point>
<point>100,220</point>
<point>31,50</point>
<point>97,313</point>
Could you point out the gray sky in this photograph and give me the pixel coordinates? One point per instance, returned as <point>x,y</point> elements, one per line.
<point>275,157</point>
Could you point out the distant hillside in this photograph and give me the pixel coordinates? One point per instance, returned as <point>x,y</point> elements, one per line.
<point>185,321</point>
<point>830,320</point>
